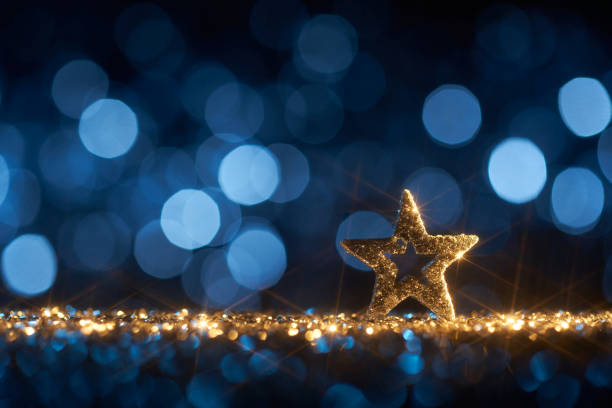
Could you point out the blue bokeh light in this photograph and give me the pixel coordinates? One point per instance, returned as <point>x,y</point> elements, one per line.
<point>517,170</point>
<point>257,258</point>
<point>327,44</point>
<point>29,265</point>
<point>314,114</point>
<point>108,128</point>
<point>199,83</point>
<point>230,217</point>
<point>234,112</point>
<point>190,218</point>
<point>604,153</point>
<point>5,179</point>
<point>344,395</point>
<point>451,115</point>
<point>164,171</point>
<point>362,224</point>
<point>12,145</point>
<point>101,241</point>
<point>234,368</point>
<point>294,172</point>
<point>249,174</point>
<point>577,200</point>
<point>411,363</point>
<point>439,197</point>
<point>585,106</point>
<point>544,364</point>
<point>22,202</point>
<point>156,255</point>
<point>77,85</point>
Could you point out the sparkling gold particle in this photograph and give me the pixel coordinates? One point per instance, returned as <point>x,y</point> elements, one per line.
<point>388,290</point>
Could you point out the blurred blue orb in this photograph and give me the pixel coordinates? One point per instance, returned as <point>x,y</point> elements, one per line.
<point>101,241</point>
<point>585,106</point>
<point>208,158</point>
<point>438,196</point>
<point>249,174</point>
<point>164,171</point>
<point>199,83</point>
<point>451,115</point>
<point>150,40</point>
<point>234,368</point>
<point>234,112</point>
<point>361,224</point>
<point>263,363</point>
<point>294,172</point>
<point>275,24</point>
<point>12,145</point>
<point>65,164</point>
<point>77,85</point>
<point>411,363</point>
<point>156,255</point>
<point>604,153</point>
<point>230,217</point>
<point>29,265</point>
<point>544,127</point>
<point>5,179</point>
<point>108,128</point>
<point>344,395</point>
<point>507,35</point>
<point>22,202</point>
<point>431,392</point>
<point>190,218</point>
<point>220,287</point>
<point>327,44</point>
<point>314,114</point>
<point>517,170</point>
<point>207,390</point>
<point>577,200</point>
<point>257,258</point>
<point>543,365</point>
<point>364,83</point>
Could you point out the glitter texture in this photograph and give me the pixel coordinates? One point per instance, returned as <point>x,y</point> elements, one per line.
<point>388,290</point>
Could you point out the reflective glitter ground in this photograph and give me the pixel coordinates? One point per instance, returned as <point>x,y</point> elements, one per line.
<point>153,358</point>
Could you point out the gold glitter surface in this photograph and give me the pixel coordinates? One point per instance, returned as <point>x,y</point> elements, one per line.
<point>149,324</point>
<point>388,290</point>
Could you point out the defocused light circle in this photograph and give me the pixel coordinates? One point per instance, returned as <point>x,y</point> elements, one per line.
<point>604,153</point>
<point>438,196</point>
<point>108,128</point>
<point>29,265</point>
<point>585,107</point>
<point>327,43</point>
<point>234,112</point>
<point>294,172</point>
<point>517,170</point>
<point>257,258</point>
<point>156,255</point>
<point>249,174</point>
<point>451,115</point>
<point>314,114</point>
<point>101,241</point>
<point>220,287</point>
<point>77,85</point>
<point>199,83</point>
<point>362,224</point>
<point>5,179</point>
<point>190,219</point>
<point>577,199</point>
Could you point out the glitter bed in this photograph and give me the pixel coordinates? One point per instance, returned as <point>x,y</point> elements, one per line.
<point>61,355</point>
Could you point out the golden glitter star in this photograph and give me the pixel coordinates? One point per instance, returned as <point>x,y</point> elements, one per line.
<point>388,290</point>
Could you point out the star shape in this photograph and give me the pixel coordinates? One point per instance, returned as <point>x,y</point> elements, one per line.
<point>388,290</point>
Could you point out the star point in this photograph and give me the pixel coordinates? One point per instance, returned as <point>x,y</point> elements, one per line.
<point>388,290</point>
